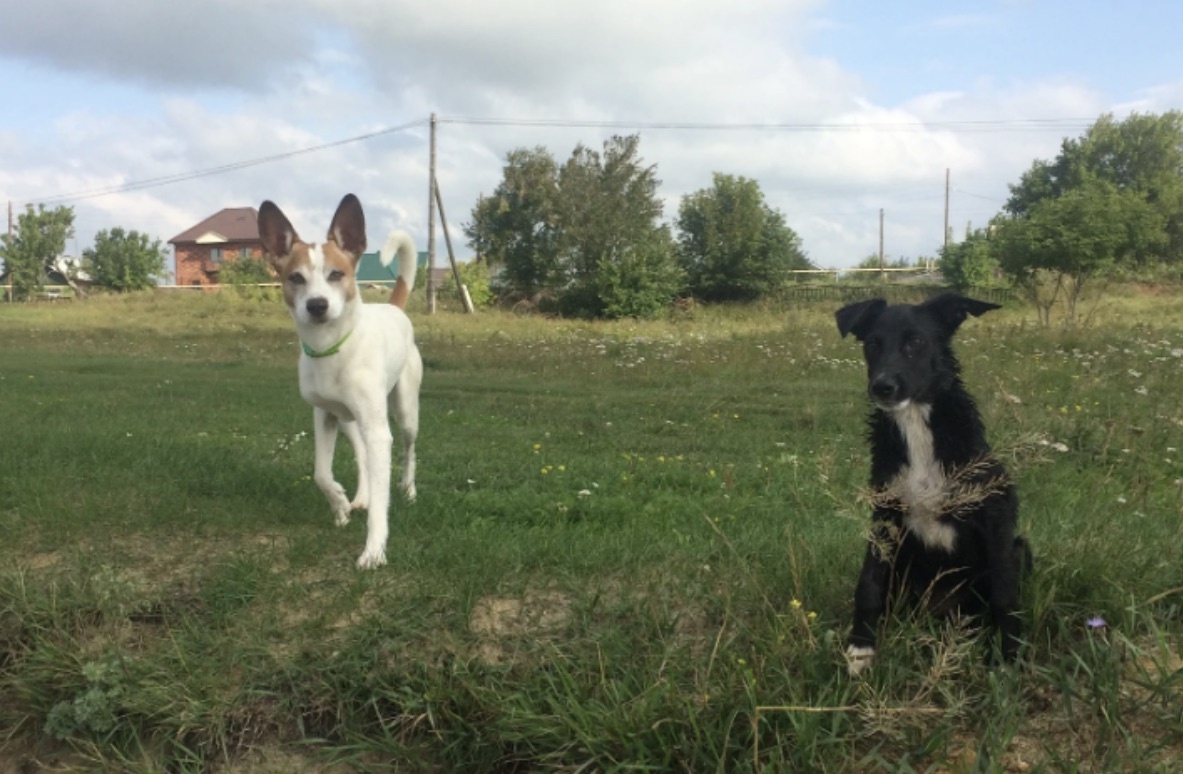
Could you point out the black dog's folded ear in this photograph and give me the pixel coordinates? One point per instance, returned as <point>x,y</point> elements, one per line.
<point>858,318</point>
<point>951,309</point>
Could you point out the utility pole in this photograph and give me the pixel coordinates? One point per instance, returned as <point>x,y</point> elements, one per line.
<point>946,237</point>
<point>8,269</point>
<point>882,273</point>
<point>431,224</point>
<point>461,289</point>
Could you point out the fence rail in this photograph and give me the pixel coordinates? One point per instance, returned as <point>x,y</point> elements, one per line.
<point>839,292</point>
<point>803,292</point>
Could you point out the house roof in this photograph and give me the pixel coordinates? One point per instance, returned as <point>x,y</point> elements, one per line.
<point>55,273</point>
<point>232,224</point>
<point>68,264</point>
<point>370,268</point>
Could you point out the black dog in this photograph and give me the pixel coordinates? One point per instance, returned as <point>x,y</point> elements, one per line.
<point>945,511</point>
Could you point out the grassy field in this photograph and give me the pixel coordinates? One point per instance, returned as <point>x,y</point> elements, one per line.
<point>634,548</point>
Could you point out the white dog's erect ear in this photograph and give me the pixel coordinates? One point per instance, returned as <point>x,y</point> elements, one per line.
<point>276,232</point>
<point>348,229</point>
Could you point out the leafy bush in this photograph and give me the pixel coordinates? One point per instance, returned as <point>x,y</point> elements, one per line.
<point>970,263</point>
<point>245,275</point>
<point>474,275</point>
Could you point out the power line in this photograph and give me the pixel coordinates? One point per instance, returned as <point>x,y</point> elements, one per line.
<point>180,177</point>
<point>1000,125</point>
<point>976,196</point>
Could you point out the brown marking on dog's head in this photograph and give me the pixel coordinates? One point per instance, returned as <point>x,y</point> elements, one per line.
<point>294,271</point>
<point>338,260</point>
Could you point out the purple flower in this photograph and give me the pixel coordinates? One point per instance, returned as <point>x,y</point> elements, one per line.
<point>1096,622</point>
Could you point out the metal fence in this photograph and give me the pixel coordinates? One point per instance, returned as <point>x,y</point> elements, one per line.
<point>896,293</point>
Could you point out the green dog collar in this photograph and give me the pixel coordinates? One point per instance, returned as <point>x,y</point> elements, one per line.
<point>310,352</point>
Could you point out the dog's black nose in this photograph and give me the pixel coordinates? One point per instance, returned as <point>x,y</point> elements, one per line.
<point>317,306</point>
<point>884,389</point>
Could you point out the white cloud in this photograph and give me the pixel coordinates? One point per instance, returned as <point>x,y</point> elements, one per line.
<point>1153,99</point>
<point>216,82</point>
<point>212,43</point>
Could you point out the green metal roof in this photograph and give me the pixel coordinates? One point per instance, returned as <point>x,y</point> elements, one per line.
<point>370,268</point>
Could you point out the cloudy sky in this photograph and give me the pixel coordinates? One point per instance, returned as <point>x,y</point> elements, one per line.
<point>152,115</point>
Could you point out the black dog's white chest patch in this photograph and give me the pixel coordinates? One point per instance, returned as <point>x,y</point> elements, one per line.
<point>921,485</point>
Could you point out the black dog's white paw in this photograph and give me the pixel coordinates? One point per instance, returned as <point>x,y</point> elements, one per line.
<point>858,658</point>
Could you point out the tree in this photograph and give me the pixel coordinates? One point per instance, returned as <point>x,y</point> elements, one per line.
<point>1141,155</point>
<point>969,263</point>
<point>123,261</point>
<point>1067,241</point>
<point>586,237</point>
<point>515,229</point>
<point>35,244</point>
<point>732,245</point>
<point>616,258</point>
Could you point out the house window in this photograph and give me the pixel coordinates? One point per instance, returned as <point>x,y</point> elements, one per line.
<point>215,254</point>
<point>244,252</point>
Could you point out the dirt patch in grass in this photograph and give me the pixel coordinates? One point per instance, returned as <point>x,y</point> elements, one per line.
<point>276,759</point>
<point>499,621</point>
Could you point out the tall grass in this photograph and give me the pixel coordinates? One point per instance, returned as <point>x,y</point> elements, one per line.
<point>634,548</point>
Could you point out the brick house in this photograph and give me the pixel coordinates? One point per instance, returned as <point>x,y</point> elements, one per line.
<point>228,234</point>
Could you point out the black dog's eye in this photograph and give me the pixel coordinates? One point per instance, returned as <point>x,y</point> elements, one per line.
<point>336,275</point>
<point>873,345</point>
<point>296,278</point>
<point>914,344</point>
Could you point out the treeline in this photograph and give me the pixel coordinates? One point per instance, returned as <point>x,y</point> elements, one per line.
<point>586,238</point>
<point>119,260</point>
<point>1109,205</point>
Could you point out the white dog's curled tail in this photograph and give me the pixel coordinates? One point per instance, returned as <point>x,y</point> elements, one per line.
<point>400,243</point>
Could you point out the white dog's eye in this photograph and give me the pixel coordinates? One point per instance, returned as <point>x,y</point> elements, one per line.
<point>336,275</point>
<point>296,278</point>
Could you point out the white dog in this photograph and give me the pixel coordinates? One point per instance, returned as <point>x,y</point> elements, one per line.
<point>357,359</point>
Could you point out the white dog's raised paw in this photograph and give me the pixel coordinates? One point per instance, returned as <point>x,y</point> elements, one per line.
<point>370,560</point>
<point>341,516</point>
<point>858,658</point>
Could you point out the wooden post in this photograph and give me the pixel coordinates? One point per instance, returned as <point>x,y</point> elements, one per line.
<point>431,223</point>
<point>465,299</point>
<point>7,266</point>
<point>882,273</point>
<point>946,236</point>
